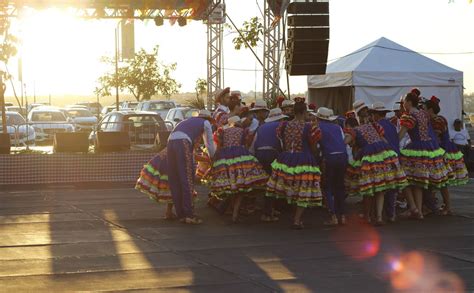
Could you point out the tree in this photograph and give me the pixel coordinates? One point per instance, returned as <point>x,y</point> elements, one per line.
<point>201,91</point>
<point>143,77</point>
<point>251,30</point>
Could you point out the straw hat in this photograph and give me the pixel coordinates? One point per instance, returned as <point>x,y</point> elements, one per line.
<point>275,115</point>
<point>359,105</point>
<point>287,103</point>
<point>259,105</point>
<point>232,120</point>
<point>204,114</point>
<point>379,107</point>
<point>325,114</point>
<point>222,93</point>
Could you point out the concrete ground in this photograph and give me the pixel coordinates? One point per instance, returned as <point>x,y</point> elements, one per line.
<point>70,239</point>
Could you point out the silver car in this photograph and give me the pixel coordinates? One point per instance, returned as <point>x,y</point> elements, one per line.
<point>21,134</point>
<point>47,122</point>
<point>160,107</point>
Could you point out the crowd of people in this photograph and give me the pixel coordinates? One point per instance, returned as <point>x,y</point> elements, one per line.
<point>308,157</point>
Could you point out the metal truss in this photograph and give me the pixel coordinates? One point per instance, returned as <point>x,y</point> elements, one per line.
<point>214,57</point>
<point>272,39</point>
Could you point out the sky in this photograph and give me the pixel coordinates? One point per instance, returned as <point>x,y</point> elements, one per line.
<point>61,53</point>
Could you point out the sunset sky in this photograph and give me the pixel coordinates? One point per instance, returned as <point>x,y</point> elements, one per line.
<point>61,53</point>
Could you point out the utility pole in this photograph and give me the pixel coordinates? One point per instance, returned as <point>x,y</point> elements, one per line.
<point>3,87</point>
<point>117,98</point>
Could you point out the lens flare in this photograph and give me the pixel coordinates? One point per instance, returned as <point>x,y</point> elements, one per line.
<point>358,241</point>
<point>408,271</point>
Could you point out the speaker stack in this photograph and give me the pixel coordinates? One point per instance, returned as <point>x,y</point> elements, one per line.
<point>308,38</point>
<point>4,143</point>
<point>73,142</point>
<point>112,141</point>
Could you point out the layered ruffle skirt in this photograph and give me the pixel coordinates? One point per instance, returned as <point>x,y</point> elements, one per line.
<point>458,174</point>
<point>153,180</point>
<point>235,171</point>
<point>425,165</point>
<point>375,169</point>
<point>296,178</point>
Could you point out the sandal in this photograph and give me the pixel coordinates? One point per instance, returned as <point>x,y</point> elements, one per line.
<point>298,226</point>
<point>343,220</point>
<point>446,212</point>
<point>191,221</point>
<point>269,219</point>
<point>379,222</point>
<point>170,217</point>
<point>331,222</point>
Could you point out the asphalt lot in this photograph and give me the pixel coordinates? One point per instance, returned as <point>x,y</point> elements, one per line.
<point>69,239</point>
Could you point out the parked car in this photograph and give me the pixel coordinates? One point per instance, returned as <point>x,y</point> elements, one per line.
<point>94,107</point>
<point>34,105</point>
<point>160,107</point>
<point>83,119</point>
<point>129,105</point>
<point>20,110</point>
<point>107,109</point>
<point>48,121</point>
<point>7,104</point>
<point>142,127</point>
<point>20,133</point>
<point>179,114</point>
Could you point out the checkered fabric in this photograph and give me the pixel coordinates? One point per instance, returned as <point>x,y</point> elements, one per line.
<point>71,168</point>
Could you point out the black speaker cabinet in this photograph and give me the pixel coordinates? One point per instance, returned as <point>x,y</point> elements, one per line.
<point>4,143</point>
<point>74,142</point>
<point>112,141</point>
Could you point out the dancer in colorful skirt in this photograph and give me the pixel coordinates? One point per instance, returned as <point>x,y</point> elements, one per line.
<point>181,164</point>
<point>379,112</point>
<point>266,148</point>
<point>376,168</point>
<point>235,171</point>
<point>295,173</point>
<point>153,182</point>
<point>221,113</point>
<point>334,156</point>
<point>422,159</point>
<point>458,174</point>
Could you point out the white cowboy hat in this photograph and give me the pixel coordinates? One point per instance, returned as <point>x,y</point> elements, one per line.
<point>396,107</point>
<point>325,114</point>
<point>204,114</point>
<point>379,107</point>
<point>275,115</point>
<point>287,103</point>
<point>260,105</point>
<point>359,105</point>
<point>232,120</point>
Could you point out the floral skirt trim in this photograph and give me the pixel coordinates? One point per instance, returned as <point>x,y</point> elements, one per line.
<point>298,185</point>
<point>375,173</point>
<point>458,174</point>
<point>425,169</point>
<point>237,175</point>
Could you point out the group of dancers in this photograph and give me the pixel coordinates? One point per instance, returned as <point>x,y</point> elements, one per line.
<point>308,157</point>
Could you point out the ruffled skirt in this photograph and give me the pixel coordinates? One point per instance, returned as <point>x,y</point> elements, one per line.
<point>296,178</point>
<point>153,180</point>
<point>378,170</point>
<point>458,174</point>
<point>235,171</point>
<point>425,165</point>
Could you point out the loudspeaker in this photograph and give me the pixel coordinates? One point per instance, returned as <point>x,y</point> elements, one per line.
<point>74,142</point>
<point>308,38</point>
<point>112,141</point>
<point>4,143</point>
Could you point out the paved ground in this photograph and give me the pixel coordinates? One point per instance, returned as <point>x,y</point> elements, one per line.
<point>114,239</point>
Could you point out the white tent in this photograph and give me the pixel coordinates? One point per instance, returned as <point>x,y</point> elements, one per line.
<point>384,71</point>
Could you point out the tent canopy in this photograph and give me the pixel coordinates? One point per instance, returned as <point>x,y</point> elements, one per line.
<point>386,63</point>
<point>384,71</point>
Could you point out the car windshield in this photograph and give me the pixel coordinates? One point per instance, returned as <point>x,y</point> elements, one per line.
<point>13,119</point>
<point>188,113</point>
<point>79,113</point>
<point>132,105</point>
<point>48,117</point>
<point>161,106</point>
<point>138,120</point>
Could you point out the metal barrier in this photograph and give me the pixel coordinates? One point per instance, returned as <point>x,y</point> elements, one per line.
<point>142,134</point>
